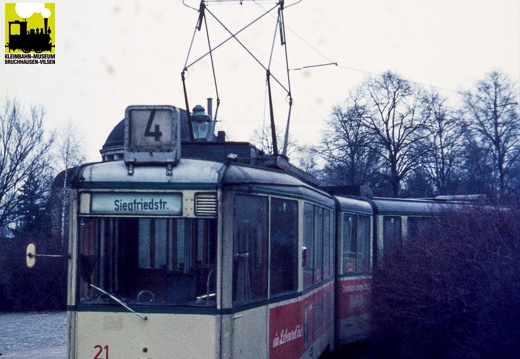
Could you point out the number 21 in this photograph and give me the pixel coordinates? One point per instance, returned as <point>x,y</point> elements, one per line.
<point>99,354</point>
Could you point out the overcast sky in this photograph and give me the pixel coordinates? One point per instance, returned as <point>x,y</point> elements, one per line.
<point>111,54</point>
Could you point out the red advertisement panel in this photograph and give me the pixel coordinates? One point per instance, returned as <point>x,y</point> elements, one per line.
<point>287,331</point>
<point>293,327</point>
<point>354,297</point>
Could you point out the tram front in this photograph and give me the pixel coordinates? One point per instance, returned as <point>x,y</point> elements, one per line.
<point>143,280</point>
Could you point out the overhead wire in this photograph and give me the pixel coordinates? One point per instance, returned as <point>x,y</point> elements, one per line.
<point>215,117</point>
<point>280,26</point>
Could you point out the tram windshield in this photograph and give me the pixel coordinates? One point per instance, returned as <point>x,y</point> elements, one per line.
<point>148,261</point>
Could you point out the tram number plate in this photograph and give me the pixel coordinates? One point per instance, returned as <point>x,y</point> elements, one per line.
<point>151,129</point>
<point>101,352</point>
<point>152,134</point>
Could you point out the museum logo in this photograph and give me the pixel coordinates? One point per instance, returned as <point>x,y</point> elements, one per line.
<point>30,34</point>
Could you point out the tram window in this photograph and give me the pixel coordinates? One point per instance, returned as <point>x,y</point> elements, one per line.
<point>153,238</point>
<point>356,244</point>
<point>349,243</point>
<point>308,243</point>
<point>392,234</point>
<point>318,245</point>
<point>417,227</point>
<point>328,263</point>
<point>249,249</point>
<point>363,237</point>
<point>284,246</point>
<point>332,241</point>
<point>148,261</point>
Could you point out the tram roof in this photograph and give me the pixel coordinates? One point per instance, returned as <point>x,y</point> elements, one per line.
<point>354,205</point>
<point>266,180</point>
<point>193,173</point>
<point>114,174</point>
<point>410,207</point>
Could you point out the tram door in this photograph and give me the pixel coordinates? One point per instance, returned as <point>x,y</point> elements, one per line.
<point>250,270</point>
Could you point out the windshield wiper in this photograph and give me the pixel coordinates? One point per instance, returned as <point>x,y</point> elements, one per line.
<point>119,301</point>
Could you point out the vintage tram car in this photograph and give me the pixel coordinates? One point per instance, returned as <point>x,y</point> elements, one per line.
<point>190,248</point>
<point>199,255</point>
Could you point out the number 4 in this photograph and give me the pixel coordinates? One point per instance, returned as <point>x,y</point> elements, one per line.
<point>157,133</point>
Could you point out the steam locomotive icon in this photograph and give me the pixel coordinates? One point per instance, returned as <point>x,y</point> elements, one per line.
<point>37,40</point>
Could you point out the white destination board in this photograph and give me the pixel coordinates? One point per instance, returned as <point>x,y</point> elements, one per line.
<point>137,203</point>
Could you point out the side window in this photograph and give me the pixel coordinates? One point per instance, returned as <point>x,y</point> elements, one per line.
<point>418,227</point>
<point>356,244</point>
<point>284,246</point>
<point>349,243</point>
<point>328,264</point>
<point>363,237</point>
<point>318,245</point>
<point>332,240</point>
<point>392,234</point>
<point>308,244</point>
<point>250,249</point>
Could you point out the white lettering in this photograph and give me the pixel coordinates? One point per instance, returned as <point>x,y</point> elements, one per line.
<point>126,203</point>
<point>287,335</point>
<point>120,205</point>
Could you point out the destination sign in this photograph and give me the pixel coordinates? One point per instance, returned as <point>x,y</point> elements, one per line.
<point>137,203</point>
<point>152,134</point>
<point>151,129</point>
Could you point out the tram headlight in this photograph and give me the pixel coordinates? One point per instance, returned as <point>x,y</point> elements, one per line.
<point>201,124</point>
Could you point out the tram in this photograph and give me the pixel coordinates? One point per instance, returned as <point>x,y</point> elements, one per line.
<point>185,245</point>
<point>222,252</point>
<point>189,248</point>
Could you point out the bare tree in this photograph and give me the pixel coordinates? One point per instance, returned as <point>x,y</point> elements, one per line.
<point>346,146</point>
<point>477,174</point>
<point>70,149</point>
<point>306,159</point>
<point>262,139</point>
<point>24,150</point>
<point>492,112</point>
<point>444,161</point>
<point>398,117</point>
<point>69,154</point>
